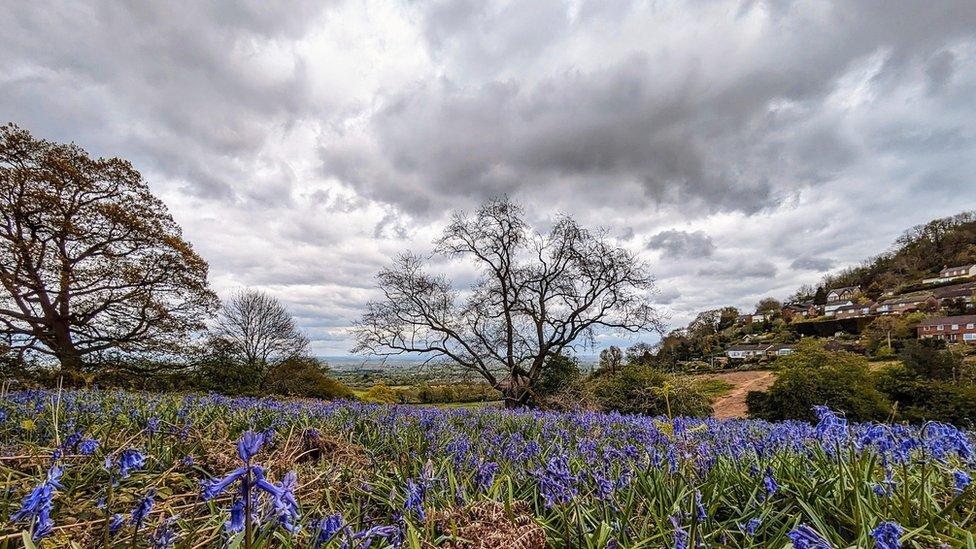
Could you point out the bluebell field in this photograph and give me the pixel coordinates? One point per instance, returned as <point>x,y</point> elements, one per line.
<point>124,469</point>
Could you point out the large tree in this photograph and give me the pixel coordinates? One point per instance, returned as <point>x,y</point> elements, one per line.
<point>261,330</point>
<point>538,295</point>
<point>90,260</point>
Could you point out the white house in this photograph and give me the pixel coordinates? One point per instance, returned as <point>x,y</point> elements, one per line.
<point>747,351</point>
<point>952,273</point>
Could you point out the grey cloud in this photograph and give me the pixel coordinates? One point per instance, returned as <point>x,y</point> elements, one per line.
<point>690,139</point>
<point>739,269</point>
<point>819,264</point>
<point>681,244</point>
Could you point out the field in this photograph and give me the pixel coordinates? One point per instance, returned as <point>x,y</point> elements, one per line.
<point>125,469</point>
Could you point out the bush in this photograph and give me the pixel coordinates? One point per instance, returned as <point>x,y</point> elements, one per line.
<point>919,399</point>
<point>814,376</point>
<point>304,377</point>
<point>381,394</point>
<point>930,359</point>
<point>644,390</point>
<point>560,386</point>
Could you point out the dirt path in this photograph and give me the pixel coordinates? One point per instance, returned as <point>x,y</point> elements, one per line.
<point>733,404</point>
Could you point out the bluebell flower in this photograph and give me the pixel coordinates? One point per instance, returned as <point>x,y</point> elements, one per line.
<point>249,445</point>
<point>236,522</point>
<point>327,528</point>
<point>87,446</point>
<point>165,535</point>
<point>485,477</point>
<point>285,505</point>
<point>769,483</point>
<point>750,527</point>
<point>886,536</point>
<point>129,460</point>
<point>804,537</point>
<point>36,507</point>
<point>680,540</point>
<point>142,509</point>
<point>115,523</point>
<point>415,499</point>
<point>962,480</point>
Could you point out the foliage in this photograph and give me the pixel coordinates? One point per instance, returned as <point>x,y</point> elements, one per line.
<point>918,399</point>
<point>328,475</point>
<point>306,377</point>
<point>929,359</point>
<point>381,394</point>
<point>90,260</point>
<point>813,376</point>
<point>646,390</point>
<point>561,382</point>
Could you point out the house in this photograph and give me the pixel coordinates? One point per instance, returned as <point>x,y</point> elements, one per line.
<point>952,273</point>
<point>781,349</point>
<point>905,304</point>
<point>805,309</point>
<point>747,350</point>
<point>851,311</point>
<point>954,329</point>
<point>847,293</point>
<point>841,297</point>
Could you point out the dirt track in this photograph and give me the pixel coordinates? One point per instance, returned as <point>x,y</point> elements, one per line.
<point>733,404</point>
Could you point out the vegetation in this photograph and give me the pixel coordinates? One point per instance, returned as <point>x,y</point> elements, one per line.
<point>90,261</point>
<point>135,470</point>
<point>813,376</point>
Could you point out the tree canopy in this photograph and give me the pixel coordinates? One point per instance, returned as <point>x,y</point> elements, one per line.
<point>90,260</point>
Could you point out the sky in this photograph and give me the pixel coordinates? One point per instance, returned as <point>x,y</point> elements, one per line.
<point>741,148</point>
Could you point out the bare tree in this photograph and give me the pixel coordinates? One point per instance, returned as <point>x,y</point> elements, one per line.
<point>261,330</point>
<point>90,260</point>
<point>537,296</point>
<point>610,359</point>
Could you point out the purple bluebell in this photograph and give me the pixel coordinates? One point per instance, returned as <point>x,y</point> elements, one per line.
<point>886,535</point>
<point>804,537</point>
<point>142,509</point>
<point>87,446</point>
<point>36,507</point>
<point>961,480</point>
<point>326,529</point>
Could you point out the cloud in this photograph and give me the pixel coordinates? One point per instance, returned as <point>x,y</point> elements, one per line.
<point>819,264</point>
<point>302,146</point>
<point>680,244</point>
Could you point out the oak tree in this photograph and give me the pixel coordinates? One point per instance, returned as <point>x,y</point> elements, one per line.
<point>90,260</point>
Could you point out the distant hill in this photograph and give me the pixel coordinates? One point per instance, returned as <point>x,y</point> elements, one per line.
<point>920,252</point>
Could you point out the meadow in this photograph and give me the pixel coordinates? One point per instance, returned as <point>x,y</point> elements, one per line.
<point>123,469</point>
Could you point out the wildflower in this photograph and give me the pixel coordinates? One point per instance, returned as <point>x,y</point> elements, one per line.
<point>327,529</point>
<point>769,483</point>
<point>556,483</point>
<point>36,506</point>
<point>962,480</point>
<point>485,477</point>
<point>129,459</point>
<point>115,523</point>
<point>87,446</point>
<point>236,522</point>
<point>285,505</point>
<point>804,537</point>
<point>165,535</point>
<point>750,527</point>
<point>886,536</point>
<point>142,510</point>
<point>680,534</point>
<point>415,499</point>
<point>249,445</point>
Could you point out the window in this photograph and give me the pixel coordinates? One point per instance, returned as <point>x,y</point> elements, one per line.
<point>955,326</point>
<point>970,326</point>
<point>969,337</point>
<point>940,327</point>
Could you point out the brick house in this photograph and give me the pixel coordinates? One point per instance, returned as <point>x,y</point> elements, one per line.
<point>952,273</point>
<point>906,304</point>
<point>851,311</point>
<point>953,329</point>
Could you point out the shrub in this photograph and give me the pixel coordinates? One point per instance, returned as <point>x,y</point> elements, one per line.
<point>304,377</point>
<point>644,390</point>
<point>560,385</point>
<point>381,394</point>
<point>930,359</point>
<point>814,376</point>
<point>919,399</point>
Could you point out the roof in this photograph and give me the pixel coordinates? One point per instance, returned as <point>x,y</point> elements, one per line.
<point>918,298</point>
<point>844,289</point>
<point>783,346</point>
<point>964,319</point>
<point>750,347</point>
<point>965,289</point>
<point>945,270</point>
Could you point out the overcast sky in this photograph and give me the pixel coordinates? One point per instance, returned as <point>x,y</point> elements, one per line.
<point>741,147</point>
